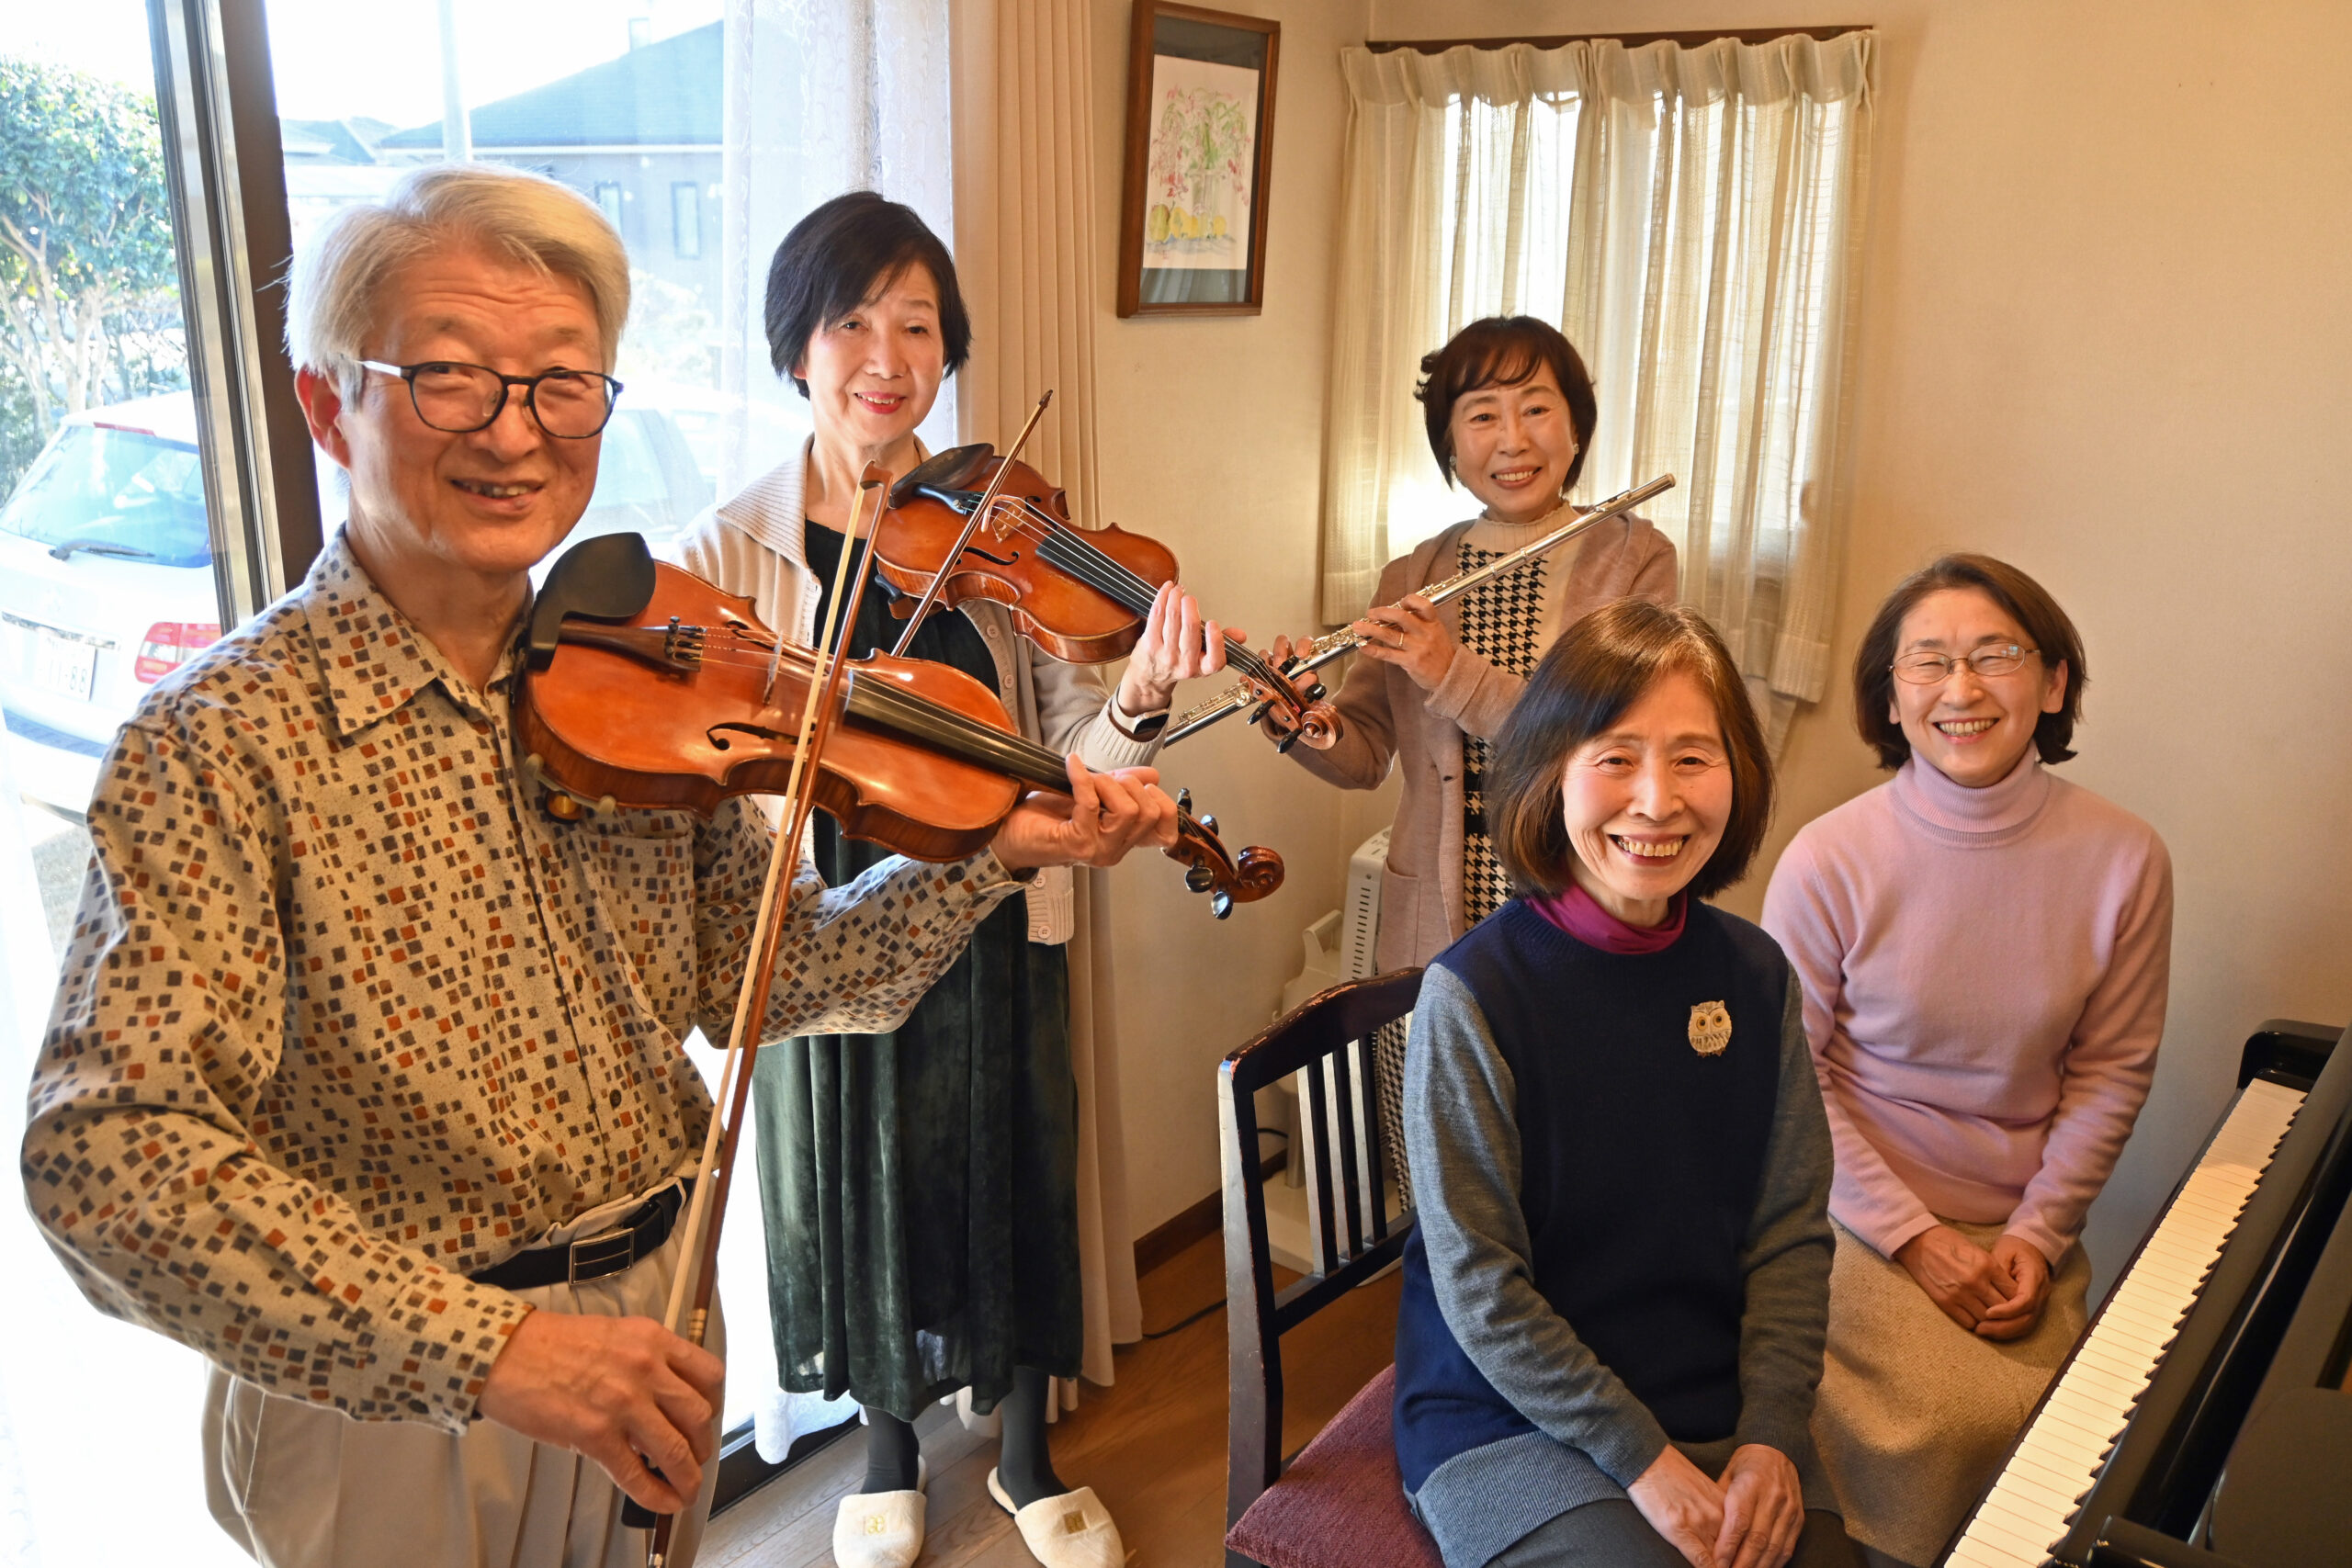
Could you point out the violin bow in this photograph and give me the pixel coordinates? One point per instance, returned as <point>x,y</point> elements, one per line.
<point>971,525</point>
<point>714,1175</point>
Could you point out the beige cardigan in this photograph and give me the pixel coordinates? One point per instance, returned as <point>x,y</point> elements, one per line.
<point>1389,719</point>
<point>754,545</point>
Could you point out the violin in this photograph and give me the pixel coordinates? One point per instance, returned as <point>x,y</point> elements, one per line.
<point>966,523</point>
<point>646,686</point>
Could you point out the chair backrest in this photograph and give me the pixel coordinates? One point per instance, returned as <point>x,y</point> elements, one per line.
<point>1329,1040</point>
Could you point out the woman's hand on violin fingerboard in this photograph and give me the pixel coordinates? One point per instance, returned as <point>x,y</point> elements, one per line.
<point>1103,817</point>
<point>1177,644</point>
<point>1408,634</point>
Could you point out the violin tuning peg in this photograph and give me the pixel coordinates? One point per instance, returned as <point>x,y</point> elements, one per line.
<point>1184,801</point>
<point>1221,906</point>
<point>1316,692</point>
<point>1200,879</point>
<point>1282,746</point>
<point>1208,823</point>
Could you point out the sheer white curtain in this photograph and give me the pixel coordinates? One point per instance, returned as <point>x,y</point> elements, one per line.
<point>1693,219</point>
<point>1025,223</point>
<point>821,96</point>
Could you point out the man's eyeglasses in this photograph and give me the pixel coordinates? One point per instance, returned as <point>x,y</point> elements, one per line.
<point>1924,669</point>
<point>461,399</point>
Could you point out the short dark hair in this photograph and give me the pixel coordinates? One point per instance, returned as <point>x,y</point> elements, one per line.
<point>843,253</point>
<point>2024,601</point>
<point>1502,351</point>
<point>1598,668</point>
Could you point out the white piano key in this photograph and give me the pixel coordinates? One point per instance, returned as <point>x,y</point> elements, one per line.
<point>1974,1553</point>
<point>2027,1491</point>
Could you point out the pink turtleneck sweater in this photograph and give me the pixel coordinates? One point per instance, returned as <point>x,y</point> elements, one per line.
<point>1984,973</point>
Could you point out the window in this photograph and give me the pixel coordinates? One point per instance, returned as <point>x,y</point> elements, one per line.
<point>107,581</point>
<point>1690,217</point>
<point>609,196</point>
<point>686,220</point>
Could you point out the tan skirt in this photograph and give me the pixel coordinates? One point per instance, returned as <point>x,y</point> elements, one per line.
<point>1915,1412</point>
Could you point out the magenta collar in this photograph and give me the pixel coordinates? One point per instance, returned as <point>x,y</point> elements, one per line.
<point>1577,913</point>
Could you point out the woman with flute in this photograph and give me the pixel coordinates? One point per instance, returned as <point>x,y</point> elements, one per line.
<point>1510,411</point>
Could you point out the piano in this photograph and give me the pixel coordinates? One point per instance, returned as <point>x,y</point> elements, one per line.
<point>2203,1420</point>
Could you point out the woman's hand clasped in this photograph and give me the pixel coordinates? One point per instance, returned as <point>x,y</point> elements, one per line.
<point>1750,1518</point>
<point>1763,1509</point>
<point>2028,1275</point>
<point>1997,1294</point>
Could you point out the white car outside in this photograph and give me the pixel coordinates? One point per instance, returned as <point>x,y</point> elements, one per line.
<point>107,578</point>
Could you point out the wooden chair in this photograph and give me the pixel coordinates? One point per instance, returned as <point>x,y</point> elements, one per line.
<point>1341,1503</point>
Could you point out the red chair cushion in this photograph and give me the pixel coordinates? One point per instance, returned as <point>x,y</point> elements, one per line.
<point>1341,1501</point>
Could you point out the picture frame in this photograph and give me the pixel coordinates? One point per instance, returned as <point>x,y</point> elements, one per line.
<point>1199,161</point>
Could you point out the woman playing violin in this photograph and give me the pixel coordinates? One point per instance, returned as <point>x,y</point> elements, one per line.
<point>1509,411</point>
<point>919,1187</point>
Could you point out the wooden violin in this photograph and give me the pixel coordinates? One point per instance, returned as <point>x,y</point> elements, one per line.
<point>967,524</point>
<point>646,686</point>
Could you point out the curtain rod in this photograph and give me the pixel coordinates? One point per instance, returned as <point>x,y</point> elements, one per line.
<point>1631,40</point>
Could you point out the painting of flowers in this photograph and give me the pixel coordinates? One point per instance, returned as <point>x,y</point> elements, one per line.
<point>1204,153</point>
<point>1199,160</point>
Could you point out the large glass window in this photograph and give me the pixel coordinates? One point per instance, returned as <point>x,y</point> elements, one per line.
<point>106,584</point>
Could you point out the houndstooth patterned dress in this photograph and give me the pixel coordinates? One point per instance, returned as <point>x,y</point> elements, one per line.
<point>1503,620</point>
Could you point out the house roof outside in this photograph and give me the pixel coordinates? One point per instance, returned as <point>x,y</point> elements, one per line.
<point>664,94</point>
<point>351,141</point>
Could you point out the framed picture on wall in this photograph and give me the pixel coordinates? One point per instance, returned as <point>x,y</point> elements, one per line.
<point>1200,147</point>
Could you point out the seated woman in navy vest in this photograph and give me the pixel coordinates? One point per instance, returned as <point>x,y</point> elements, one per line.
<point>1615,1298</point>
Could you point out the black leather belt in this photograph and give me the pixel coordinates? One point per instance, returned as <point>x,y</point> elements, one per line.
<point>640,1236</point>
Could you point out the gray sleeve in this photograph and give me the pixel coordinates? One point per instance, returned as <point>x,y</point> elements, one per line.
<point>1786,1259</point>
<point>1462,1134</point>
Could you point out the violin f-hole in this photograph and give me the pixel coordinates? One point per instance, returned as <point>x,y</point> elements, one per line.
<point>721,735</point>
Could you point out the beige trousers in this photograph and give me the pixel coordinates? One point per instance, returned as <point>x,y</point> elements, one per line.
<point>301,1487</point>
<point>1915,1412</point>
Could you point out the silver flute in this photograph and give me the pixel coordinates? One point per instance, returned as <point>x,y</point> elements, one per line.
<point>1324,649</point>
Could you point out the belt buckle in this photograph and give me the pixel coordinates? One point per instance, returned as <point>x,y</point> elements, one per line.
<point>606,1254</point>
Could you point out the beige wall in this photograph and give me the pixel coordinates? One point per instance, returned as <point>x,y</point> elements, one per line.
<point>2107,335</point>
<point>1211,432</point>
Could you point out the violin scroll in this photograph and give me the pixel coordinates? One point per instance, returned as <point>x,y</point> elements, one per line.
<point>1213,869</point>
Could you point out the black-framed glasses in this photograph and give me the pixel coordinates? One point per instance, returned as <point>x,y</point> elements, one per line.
<point>461,399</point>
<point>1924,669</point>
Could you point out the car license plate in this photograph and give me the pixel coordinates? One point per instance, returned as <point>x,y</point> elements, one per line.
<point>64,665</point>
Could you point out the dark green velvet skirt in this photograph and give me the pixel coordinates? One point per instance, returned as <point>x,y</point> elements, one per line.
<point>919,1187</point>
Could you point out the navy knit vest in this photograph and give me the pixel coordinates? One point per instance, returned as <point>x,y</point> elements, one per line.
<point>1641,1160</point>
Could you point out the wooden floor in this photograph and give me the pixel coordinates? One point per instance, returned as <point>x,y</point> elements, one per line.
<point>1152,1446</point>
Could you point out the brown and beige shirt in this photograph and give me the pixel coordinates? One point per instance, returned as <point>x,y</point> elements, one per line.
<point>346,1016</point>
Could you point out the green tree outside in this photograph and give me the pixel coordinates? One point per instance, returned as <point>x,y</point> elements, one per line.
<point>89,289</point>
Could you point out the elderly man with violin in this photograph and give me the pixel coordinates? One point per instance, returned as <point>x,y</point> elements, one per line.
<point>365,1078</point>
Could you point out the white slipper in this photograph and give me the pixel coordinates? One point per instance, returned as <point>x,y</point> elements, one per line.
<point>881,1529</point>
<point>1073,1530</point>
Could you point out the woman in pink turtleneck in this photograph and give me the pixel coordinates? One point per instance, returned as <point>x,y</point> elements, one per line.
<point>1984,949</point>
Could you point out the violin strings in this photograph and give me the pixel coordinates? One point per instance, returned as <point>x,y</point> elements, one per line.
<point>1089,564</point>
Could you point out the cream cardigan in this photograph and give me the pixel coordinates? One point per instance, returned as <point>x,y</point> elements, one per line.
<point>754,545</point>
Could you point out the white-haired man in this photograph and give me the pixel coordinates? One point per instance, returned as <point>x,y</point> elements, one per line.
<point>365,1075</point>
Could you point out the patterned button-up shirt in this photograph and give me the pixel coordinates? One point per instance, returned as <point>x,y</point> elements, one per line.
<point>348,1016</point>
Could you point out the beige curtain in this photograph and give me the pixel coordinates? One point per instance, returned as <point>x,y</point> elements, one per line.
<point>1693,219</point>
<point>1025,249</point>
